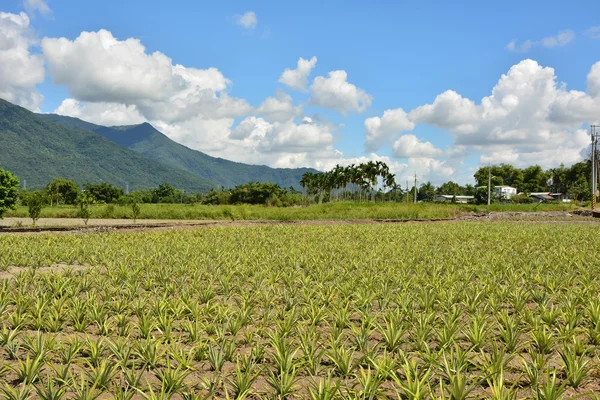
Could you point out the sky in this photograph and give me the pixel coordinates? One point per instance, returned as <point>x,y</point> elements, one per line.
<point>433,88</point>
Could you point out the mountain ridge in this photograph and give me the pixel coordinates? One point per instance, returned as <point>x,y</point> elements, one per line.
<point>149,141</point>
<point>38,150</point>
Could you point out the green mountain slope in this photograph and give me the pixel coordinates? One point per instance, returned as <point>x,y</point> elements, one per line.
<point>145,139</point>
<point>38,150</point>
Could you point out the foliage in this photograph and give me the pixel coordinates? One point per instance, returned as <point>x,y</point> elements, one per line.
<point>135,211</point>
<point>41,150</point>
<point>327,211</point>
<point>265,194</point>
<point>350,182</point>
<point>63,191</point>
<point>350,311</point>
<point>9,191</point>
<point>103,192</point>
<point>35,203</point>
<point>153,145</point>
<point>573,181</point>
<point>84,200</point>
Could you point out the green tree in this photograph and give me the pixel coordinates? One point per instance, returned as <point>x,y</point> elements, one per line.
<point>450,188</point>
<point>497,172</point>
<point>9,191</point>
<point>426,192</point>
<point>535,179</point>
<point>62,190</point>
<point>35,203</point>
<point>84,202</point>
<point>103,192</point>
<point>164,193</point>
<point>135,210</point>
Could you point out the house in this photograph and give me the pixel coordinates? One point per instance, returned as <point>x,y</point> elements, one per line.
<point>459,199</point>
<point>502,192</point>
<point>541,196</point>
<point>505,192</point>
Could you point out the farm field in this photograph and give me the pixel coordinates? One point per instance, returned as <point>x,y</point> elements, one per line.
<point>335,210</point>
<point>451,310</point>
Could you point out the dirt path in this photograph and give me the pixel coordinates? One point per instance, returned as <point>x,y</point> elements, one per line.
<point>74,222</point>
<point>23,225</point>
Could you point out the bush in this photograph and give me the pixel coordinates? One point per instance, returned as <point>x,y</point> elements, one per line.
<point>9,191</point>
<point>522,199</point>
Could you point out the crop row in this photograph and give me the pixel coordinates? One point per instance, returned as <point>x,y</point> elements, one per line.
<point>349,311</point>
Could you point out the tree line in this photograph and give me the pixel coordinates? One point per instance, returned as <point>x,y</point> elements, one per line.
<point>353,182</point>
<point>371,181</point>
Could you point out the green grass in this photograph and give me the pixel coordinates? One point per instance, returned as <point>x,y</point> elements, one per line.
<point>329,211</point>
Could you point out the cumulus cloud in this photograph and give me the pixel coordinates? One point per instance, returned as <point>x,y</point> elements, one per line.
<point>528,118</point>
<point>33,6</point>
<point>20,70</point>
<point>106,114</point>
<point>411,146</point>
<point>247,20</point>
<point>336,93</point>
<point>297,78</point>
<point>561,39</point>
<point>279,108</point>
<point>97,67</point>
<point>390,125</point>
<point>283,136</point>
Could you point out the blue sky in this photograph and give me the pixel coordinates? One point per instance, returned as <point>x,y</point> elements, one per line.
<point>397,56</point>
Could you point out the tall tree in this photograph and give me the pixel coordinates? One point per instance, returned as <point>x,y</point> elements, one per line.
<point>62,190</point>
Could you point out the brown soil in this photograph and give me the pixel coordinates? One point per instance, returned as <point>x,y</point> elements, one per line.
<point>20,225</point>
<point>12,272</point>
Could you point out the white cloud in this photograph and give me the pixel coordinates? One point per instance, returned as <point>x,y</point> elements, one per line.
<point>247,20</point>
<point>279,108</point>
<point>32,6</point>
<point>390,125</point>
<point>20,70</point>
<point>528,118</point>
<point>336,93</point>
<point>561,39</point>
<point>297,78</point>
<point>593,80</point>
<point>106,114</point>
<point>97,67</point>
<point>411,146</point>
<point>593,32</point>
<point>283,136</point>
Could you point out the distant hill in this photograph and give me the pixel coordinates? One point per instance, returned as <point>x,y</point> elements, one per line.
<point>145,139</point>
<point>38,150</point>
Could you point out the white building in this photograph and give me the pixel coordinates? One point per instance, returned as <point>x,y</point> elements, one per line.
<point>505,192</point>
<point>458,199</point>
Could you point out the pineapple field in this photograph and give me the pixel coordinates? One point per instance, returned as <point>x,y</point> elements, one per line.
<point>451,310</point>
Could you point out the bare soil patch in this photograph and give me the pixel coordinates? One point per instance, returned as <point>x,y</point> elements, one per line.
<point>12,272</point>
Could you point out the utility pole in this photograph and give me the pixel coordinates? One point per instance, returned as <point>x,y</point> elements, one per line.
<point>489,184</point>
<point>415,187</point>
<point>407,190</point>
<point>595,135</point>
<point>127,188</point>
<point>25,184</point>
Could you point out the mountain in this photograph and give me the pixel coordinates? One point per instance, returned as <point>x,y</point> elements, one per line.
<point>38,150</point>
<point>146,140</point>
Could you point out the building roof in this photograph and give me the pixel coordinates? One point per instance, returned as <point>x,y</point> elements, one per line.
<point>543,196</point>
<point>458,197</point>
